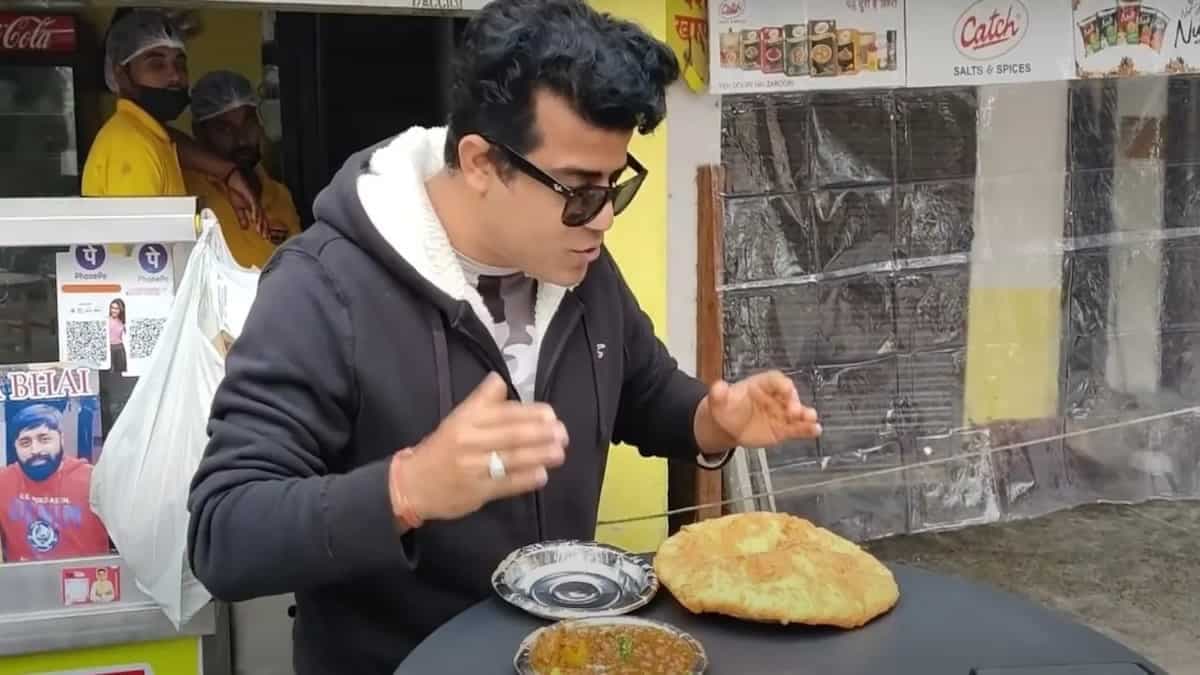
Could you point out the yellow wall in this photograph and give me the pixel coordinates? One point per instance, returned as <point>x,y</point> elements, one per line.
<point>1012,354</point>
<point>1014,317</point>
<point>231,40</point>
<point>635,485</point>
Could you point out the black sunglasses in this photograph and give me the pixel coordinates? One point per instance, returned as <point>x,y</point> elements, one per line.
<point>583,203</point>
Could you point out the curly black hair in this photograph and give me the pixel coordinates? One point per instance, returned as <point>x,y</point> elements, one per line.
<point>612,72</point>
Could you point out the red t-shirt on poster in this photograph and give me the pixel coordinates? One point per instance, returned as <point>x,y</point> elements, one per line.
<point>50,519</point>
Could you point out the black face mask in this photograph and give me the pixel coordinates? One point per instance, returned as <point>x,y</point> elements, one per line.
<point>164,105</point>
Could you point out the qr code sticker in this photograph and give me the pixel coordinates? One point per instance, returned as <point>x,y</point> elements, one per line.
<point>87,342</point>
<point>143,335</point>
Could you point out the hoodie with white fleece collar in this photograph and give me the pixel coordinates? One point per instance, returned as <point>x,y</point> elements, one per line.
<point>364,335</point>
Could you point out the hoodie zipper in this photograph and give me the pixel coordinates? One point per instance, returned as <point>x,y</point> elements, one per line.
<point>490,355</point>
<point>569,315</point>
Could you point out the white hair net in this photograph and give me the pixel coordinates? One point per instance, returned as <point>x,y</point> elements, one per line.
<point>219,92</point>
<point>133,35</point>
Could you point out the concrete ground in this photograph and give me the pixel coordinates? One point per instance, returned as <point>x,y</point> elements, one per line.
<point>1130,572</point>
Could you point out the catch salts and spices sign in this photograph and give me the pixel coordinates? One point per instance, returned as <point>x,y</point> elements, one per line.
<point>973,42</point>
<point>789,45</point>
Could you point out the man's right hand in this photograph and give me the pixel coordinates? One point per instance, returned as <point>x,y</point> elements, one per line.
<point>245,202</point>
<point>447,477</point>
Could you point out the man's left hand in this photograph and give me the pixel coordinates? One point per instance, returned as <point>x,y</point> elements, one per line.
<point>760,411</point>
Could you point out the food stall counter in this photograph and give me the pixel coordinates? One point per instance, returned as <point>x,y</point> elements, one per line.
<point>69,603</point>
<point>55,606</point>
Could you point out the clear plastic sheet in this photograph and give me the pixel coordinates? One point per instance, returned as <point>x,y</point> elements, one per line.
<point>856,239</point>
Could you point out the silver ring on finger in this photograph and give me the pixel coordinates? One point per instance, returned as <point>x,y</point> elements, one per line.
<point>496,467</point>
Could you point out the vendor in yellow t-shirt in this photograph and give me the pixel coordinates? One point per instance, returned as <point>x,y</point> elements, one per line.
<point>136,154</point>
<point>225,122</point>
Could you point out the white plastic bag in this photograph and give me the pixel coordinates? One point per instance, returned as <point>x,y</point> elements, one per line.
<point>140,484</point>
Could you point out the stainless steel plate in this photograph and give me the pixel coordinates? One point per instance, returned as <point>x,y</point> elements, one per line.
<point>522,662</point>
<point>574,580</point>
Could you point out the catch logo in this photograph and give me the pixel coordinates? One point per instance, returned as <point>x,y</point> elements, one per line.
<point>731,9</point>
<point>990,29</point>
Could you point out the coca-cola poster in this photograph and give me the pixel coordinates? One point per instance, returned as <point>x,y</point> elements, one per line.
<point>771,45</point>
<point>1121,38</point>
<point>974,42</point>
<point>37,33</point>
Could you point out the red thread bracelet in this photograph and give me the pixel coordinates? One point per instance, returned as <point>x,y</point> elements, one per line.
<point>404,510</point>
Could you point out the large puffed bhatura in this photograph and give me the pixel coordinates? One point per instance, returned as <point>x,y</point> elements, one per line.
<point>774,567</point>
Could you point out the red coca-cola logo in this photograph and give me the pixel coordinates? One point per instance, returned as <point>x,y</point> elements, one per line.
<point>990,29</point>
<point>36,33</point>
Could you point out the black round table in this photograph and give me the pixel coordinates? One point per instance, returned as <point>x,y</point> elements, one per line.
<point>942,626</point>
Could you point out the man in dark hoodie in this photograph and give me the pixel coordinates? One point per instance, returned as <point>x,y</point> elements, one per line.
<point>432,374</point>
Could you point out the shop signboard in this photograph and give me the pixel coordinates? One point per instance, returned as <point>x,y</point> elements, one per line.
<point>976,42</point>
<point>42,33</point>
<point>1129,37</point>
<point>112,307</point>
<point>687,34</point>
<point>773,46</point>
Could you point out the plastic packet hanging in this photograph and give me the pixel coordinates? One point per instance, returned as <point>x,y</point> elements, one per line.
<point>140,485</point>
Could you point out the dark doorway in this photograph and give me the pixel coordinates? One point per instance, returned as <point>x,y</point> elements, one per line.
<point>348,81</point>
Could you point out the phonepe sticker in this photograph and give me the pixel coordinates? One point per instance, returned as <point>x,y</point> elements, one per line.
<point>976,42</point>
